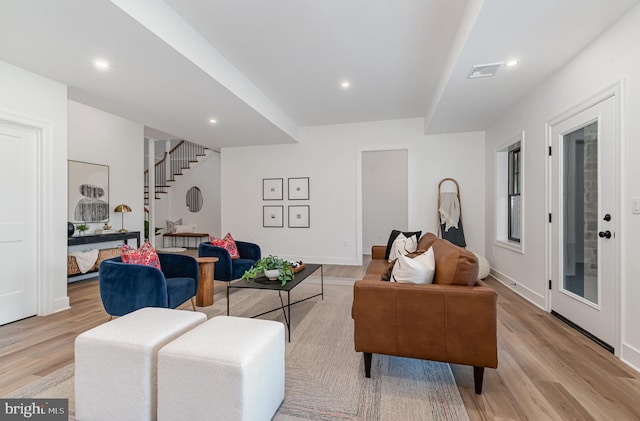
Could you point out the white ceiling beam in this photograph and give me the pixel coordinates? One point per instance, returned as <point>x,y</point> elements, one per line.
<point>170,27</point>
<point>468,20</point>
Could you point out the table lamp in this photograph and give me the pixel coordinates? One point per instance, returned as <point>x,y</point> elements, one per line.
<point>122,209</point>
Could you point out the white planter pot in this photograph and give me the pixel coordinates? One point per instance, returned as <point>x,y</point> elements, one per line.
<point>272,274</point>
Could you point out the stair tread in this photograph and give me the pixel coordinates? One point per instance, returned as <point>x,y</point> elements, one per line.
<point>180,158</point>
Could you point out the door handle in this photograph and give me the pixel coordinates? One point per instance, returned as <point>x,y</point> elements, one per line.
<point>607,217</point>
<point>604,234</point>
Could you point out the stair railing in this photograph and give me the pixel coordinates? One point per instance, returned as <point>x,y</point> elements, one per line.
<point>179,158</point>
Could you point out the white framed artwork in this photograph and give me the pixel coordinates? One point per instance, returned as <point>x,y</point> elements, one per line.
<point>272,189</point>
<point>273,216</point>
<point>299,188</point>
<point>88,194</point>
<point>299,216</point>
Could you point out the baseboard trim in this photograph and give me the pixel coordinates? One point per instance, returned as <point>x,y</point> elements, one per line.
<point>61,304</point>
<point>526,293</point>
<point>630,356</point>
<point>347,261</point>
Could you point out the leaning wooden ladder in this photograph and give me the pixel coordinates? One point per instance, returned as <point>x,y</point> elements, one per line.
<point>454,181</point>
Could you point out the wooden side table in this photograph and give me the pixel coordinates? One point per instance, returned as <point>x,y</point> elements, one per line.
<point>204,297</point>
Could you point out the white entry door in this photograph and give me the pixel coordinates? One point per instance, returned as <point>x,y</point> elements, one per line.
<point>18,292</point>
<point>584,212</point>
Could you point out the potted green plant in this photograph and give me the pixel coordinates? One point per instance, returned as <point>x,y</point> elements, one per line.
<point>82,228</point>
<point>146,230</point>
<point>271,263</point>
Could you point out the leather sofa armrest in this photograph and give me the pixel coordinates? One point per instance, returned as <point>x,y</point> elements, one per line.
<point>448,323</point>
<point>377,252</point>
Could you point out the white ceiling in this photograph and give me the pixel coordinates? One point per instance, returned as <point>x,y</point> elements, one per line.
<point>263,69</point>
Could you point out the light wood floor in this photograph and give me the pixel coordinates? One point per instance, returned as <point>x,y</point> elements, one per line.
<point>547,371</point>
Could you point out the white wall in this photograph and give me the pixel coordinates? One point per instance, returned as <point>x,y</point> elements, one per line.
<point>30,97</point>
<point>331,157</point>
<point>614,56</point>
<point>102,138</point>
<point>172,206</point>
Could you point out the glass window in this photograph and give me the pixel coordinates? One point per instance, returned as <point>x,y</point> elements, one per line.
<point>509,205</point>
<point>514,192</point>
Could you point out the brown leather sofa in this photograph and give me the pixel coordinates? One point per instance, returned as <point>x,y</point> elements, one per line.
<point>452,320</point>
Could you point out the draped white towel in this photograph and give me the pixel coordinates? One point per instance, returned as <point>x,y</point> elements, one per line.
<point>85,259</point>
<point>449,210</point>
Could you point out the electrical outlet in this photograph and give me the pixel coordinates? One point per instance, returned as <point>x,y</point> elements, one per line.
<point>635,205</point>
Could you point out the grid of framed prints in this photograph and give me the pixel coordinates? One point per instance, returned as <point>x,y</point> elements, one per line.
<point>273,190</point>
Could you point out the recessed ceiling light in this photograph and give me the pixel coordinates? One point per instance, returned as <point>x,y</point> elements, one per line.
<point>101,64</point>
<point>345,85</point>
<point>513,62</point>
<point>213,121</point>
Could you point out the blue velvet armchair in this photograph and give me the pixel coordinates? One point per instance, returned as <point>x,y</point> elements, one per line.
<point>125,287</point>
<point>228,269</point>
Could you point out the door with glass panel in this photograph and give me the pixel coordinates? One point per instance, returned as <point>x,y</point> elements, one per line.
<point>583,221</point>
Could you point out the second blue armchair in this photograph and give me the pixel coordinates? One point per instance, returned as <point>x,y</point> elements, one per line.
<point>228,269</point>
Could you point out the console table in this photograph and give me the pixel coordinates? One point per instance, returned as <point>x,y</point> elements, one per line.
<point>95,239</point>
<point>197,236</point>
<point>104,238</point>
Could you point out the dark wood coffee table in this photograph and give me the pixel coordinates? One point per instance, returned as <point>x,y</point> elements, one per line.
<point>262,282</point>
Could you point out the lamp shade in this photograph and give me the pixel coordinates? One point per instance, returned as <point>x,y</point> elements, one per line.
<point>122,208</point>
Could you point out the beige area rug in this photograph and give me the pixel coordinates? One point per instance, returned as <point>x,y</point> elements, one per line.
<point>324,375</point>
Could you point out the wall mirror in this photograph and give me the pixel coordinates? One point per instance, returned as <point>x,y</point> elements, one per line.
<point>194,199</point>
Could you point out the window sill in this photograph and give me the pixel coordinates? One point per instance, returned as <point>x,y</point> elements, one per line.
<point>510,245</point>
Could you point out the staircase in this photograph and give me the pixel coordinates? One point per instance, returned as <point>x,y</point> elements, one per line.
<point>179,158</point>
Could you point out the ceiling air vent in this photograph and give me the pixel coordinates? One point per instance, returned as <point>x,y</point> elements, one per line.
<point>484,70</point>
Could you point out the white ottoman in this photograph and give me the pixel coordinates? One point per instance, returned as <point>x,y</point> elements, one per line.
<point>116,363</point>
<point>229,368</point>
<point>483,266</point>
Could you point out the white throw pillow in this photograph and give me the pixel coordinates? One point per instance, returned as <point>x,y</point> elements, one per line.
<point>428,260</point>
<point>182,229</point>
<point>408,270</point>
<point>402,245</point>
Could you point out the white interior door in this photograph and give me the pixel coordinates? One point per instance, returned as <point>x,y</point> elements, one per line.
<point>18,292</point>
<point>584,212</point>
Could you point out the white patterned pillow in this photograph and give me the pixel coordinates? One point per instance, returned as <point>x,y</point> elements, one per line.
<point>171,226</point>
<point>402,245</point>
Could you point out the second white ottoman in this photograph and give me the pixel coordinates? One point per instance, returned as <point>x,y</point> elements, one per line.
<point>229,368</point>
<point>116,362</point>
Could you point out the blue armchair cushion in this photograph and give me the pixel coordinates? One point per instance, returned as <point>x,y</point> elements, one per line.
<point>125,287</point>
<point>228,269</point>
<point>179,290</point>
